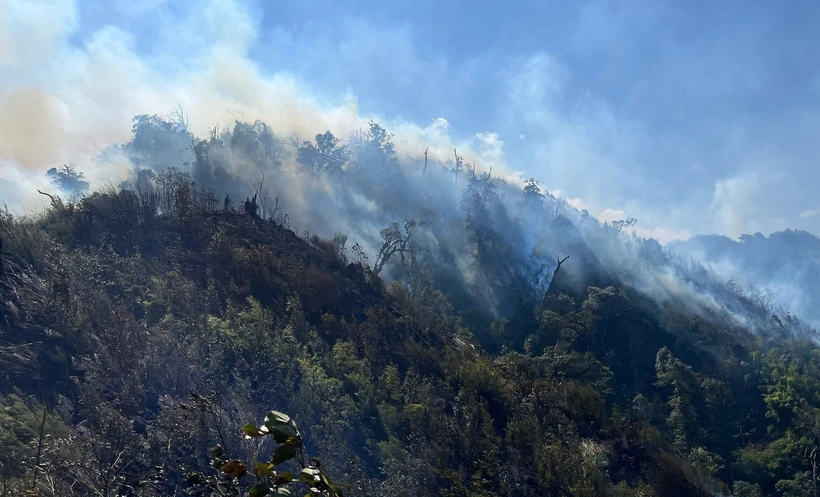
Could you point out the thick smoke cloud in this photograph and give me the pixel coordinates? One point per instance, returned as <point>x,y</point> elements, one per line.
<point>734,205</point>
<point>63,100</point>
<point>66,98</point>
<point>784,266</point>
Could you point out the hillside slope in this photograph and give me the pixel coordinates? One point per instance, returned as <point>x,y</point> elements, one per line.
<point>787,263</point>
<point>111,316</point>
<point>416,323</point>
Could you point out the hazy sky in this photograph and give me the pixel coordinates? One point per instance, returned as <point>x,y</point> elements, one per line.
<point>692,116</point>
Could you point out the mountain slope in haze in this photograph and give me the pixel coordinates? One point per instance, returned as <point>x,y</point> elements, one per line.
<point>490,238</point>
<point>787,263</point>
<point>419,339</point>
<point>582,268</point>
<point>111,317</point>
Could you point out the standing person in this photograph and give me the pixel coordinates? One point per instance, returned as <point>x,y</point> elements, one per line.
<point>227,204</point>
<point>254,207</point>
<point>248,206</point>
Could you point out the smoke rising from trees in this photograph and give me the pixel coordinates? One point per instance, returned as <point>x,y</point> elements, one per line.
<point>71,102</point>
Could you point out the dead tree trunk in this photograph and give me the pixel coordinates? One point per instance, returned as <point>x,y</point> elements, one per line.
<point>423,171</point>
<point>56,201</point>
<point>554,272</point>
<point>261,193</point>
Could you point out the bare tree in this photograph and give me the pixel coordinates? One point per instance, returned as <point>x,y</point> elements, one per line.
<point>262,193</point>
<point>179,117</point>
<point>276,207</point>
<point>208,199</point>
<point>624,223</point>
<point>340,246</point>
<point>56,201</point>
<point>148,199</point>
<point>459,165</point>
<point>395,242</point>
<point>294,141</point>
<point>92,462</point>
<point>40,439</point>
<point>423,171</point>
<point>558,266</point>
<point>559,262</point>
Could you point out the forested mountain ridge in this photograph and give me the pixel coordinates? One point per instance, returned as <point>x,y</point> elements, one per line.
<point>786,264</point>
<point>448,355</point>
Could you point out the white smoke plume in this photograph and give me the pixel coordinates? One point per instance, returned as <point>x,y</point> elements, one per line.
<point>64,101</point>
<point>67,96</point>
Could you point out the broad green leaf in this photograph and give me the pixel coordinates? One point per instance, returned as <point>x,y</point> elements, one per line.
<point>284,433</point>
<point>281,491</point>
<point>281,426</point>
<point>282,454</point>
<point>329,483</point>
<point>252,431</point>
<point>308,475</point>
<point>275,418</point>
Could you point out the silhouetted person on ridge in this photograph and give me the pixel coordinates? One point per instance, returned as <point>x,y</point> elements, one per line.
<point>254,207</point>
<point>227,205</point>
<point>248,206</point>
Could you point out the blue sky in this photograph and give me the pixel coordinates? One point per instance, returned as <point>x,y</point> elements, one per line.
<point>694,117</point>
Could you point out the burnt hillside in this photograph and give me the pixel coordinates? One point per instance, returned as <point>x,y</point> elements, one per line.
<point>113,315</point>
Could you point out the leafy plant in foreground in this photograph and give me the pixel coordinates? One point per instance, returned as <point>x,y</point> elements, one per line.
<point>270,480</point>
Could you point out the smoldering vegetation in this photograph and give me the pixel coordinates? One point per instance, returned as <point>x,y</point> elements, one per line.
<point>433,328</point>
<point>493,243</point>
<point>785,266</point>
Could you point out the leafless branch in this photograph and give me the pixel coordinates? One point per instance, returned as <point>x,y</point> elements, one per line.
<point>423,171</point>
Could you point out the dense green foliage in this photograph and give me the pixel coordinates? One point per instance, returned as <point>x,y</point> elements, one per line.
<point>117,307</point>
